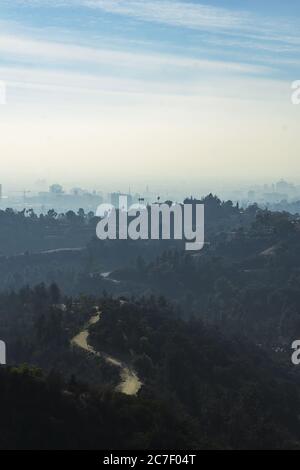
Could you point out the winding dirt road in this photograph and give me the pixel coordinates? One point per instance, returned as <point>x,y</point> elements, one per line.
<point>130,383</point>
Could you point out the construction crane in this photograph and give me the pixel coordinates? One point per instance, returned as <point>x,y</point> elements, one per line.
<point>24,192</point>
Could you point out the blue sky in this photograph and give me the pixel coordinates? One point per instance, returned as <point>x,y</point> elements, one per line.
<point>246,36</point>
<point>173,69</point>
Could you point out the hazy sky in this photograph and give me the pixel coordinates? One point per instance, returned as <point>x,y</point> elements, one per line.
<point>158,90</point>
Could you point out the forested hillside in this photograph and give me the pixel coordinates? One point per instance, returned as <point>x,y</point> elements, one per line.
<point>208,335</point>
<point>200,388</point>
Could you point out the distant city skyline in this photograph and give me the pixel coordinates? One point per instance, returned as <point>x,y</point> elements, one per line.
<point>278,195</point>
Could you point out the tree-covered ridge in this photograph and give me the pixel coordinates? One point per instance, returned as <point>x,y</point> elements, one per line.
<point>38,325</point>
<point>237,395</point>
<point>25,231</point>
<point>63,248</point>
<point>246,281</point>
<point>214,358</point>
<point>201,388</point>
<point>44,412</point>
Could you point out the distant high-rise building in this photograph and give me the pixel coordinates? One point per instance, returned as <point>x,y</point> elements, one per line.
<point>251,195</point>
<point>115,198</point>
<point>284,187</point>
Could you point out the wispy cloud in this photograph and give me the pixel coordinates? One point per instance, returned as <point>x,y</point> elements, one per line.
<point>175,13</point>
<point>194,15</point>
<point>233,29</point>
<point>218,40</point>
<point>199,16</point>
<point>46,51</point>
<point>66,82</point>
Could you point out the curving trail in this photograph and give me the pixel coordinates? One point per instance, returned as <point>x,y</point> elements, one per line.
<point>130,383</point>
